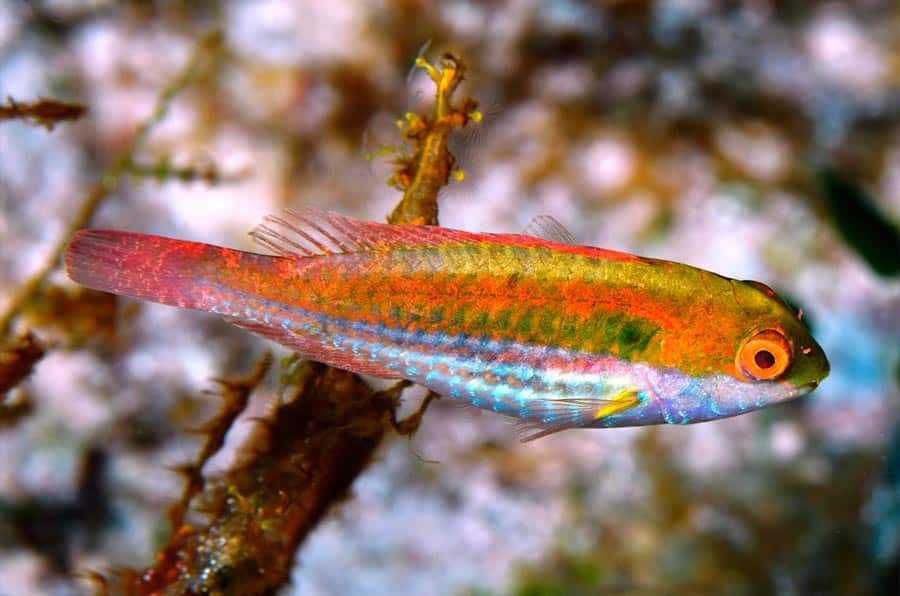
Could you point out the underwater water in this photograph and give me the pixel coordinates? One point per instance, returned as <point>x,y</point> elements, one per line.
<point>759,141</point>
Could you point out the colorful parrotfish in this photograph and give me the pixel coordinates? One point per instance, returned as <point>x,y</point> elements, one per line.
<point>528,325</point>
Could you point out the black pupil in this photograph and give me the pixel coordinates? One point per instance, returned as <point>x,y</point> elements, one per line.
<point>764,359</point>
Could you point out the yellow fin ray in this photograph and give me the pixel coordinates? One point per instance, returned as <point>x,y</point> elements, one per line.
<point>621,401</point>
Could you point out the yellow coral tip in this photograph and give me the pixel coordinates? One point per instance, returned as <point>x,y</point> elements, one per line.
<point>476,116</point>
<point>458,175</point>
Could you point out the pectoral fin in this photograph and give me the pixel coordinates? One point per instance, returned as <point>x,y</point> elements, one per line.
<point>561,415</point>
<point>621,401</point>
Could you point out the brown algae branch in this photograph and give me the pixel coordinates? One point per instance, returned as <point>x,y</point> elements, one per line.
<point>18,358</point>
<point>44,112</point>
<point>234,395</point>
<point>110,180</point>
<point>259,512</point>
<point>422,175</point>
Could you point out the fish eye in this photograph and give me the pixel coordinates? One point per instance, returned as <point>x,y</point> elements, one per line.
<point>765,356</point>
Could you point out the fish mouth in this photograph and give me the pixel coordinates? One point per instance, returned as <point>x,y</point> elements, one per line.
<point>801,390</point>
<point>798,391</point>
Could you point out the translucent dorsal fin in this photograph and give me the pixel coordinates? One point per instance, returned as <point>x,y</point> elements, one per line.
<point>549,228</point>
<point>312,232</point>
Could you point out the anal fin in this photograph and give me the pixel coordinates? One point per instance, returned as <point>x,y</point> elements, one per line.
<point>312,347</point>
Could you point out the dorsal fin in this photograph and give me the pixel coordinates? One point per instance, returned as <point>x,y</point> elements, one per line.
<point>548,227</point>
<point>312,232</point>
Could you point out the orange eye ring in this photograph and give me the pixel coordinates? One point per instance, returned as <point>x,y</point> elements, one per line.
<point>765,356</point>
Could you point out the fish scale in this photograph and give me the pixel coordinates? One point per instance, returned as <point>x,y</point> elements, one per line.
<point>554,334</point>
<point>458,366</point>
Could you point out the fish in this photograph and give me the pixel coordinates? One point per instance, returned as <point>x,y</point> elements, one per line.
<point>532,326</point>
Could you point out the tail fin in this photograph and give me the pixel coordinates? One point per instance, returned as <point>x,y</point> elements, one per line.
<point>164,270</point>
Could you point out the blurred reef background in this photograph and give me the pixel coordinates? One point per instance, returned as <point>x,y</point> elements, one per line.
<point>759,139</point>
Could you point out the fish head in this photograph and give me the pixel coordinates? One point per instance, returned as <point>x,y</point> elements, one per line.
<point>777,347</point>
<point>763,355</point>
<point>770,357</point>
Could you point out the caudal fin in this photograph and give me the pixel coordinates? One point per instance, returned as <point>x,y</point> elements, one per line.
<point>165,270</point>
